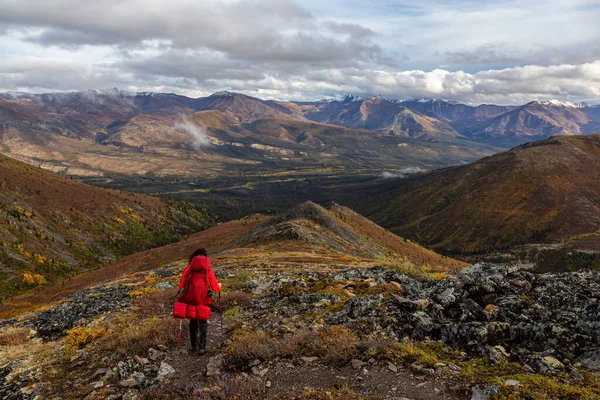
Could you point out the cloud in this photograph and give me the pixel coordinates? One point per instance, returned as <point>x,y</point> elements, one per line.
<point>389,175</point>
<point>412,170</point>
<point>402,173</point>
<point>468,51</point>
<point>277,30</point>
<point>486,54</point>
<point>196,132</point>
<point>516,85</point>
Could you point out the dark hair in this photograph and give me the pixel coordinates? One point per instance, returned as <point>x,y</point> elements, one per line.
<point>200,252</point>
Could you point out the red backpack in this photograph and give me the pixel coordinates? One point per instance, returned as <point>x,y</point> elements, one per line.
<point>196,288</point>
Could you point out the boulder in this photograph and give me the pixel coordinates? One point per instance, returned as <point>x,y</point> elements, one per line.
<point>483,392</point>
<point>214,365</point>
<point>165,370</point>
<point>545,364</point>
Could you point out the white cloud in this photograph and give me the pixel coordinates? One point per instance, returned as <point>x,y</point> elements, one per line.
<point>198,134</point>
<point>464,50</point>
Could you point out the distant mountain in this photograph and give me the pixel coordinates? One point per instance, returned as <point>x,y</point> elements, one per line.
<point>245,108</point>
<point>434,119</point>
<point>534,121</point>
<point>458,115</point>
<point>52,227</point>
<point>380,114</point>
<point>99,133</point>
<point>544,191</point>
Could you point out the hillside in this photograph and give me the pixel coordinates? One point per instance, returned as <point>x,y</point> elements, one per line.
<point>52,227</point>
<point>545,191</point>
<point>313,328</point>
<point>313,234</point>
<point>211,239</point>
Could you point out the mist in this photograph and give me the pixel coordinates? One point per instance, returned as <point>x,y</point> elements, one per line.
<point>402,172</point>
<point>196,132</point>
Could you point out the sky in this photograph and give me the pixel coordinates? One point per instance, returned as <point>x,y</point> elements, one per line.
<point>472,51</point>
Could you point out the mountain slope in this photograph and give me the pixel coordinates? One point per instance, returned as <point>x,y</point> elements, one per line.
<point>458,115</point>
<point>52,227</point>
<point>535,121</point>
<point>312,234</point>
<point>542,191</point>
<point>211,239</point>
<point>379,114</point>
<point>246,108</point>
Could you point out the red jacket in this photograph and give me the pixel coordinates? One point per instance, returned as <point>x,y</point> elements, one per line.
<point>201,277</point>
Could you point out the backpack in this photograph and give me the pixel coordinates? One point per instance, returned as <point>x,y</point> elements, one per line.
<point>196,288</point>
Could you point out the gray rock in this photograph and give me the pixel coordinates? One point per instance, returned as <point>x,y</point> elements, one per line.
<point>123,369</point>
<point>139,377</point>
<point>254,363</point>
<point>164,272</point>
<point>392,367</point>
<point>483,392</point>
<point>163,285</point>
<point>85,304</point>
<point>214,365</point>
<point>575,374</point>
<point>154,354</point>
<point>129,382</point>
<point>165,370</point>
<point>97,384</point>
<point>545,364</point>
<point>590,360</point>
<point>354,308</point>
<point>99,371</point>
<point>258,371</point>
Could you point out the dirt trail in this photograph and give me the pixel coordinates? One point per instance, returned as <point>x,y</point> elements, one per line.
<point>292,378</point>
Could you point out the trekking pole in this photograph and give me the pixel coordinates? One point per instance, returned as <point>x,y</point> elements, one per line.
<point>221,312</point>
<point>180,332</point>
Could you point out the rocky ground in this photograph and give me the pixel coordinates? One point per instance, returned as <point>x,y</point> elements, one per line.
<point>488,331</point>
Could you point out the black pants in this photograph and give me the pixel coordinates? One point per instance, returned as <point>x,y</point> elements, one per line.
<point>194,325</point>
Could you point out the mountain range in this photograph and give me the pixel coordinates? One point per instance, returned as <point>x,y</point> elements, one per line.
<point>98,133</point>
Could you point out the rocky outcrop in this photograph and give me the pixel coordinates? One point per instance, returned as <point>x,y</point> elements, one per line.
<point>491,310</point>
<point>80,308</point>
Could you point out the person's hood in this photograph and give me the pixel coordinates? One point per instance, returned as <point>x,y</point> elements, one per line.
<point>200,263</point>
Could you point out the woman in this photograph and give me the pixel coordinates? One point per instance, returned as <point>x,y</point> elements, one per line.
<point>195,285</point>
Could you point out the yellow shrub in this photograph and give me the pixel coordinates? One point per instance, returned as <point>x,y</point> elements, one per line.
<point>144,291</point>
<point>33,279</point>
<point>81,336</point>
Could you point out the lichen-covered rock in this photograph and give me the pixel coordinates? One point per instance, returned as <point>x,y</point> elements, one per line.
<point>79,308</point>
<point>590,360</point>
<point>488,305</point>
<point>545,364</point>
<point>356,307</point>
